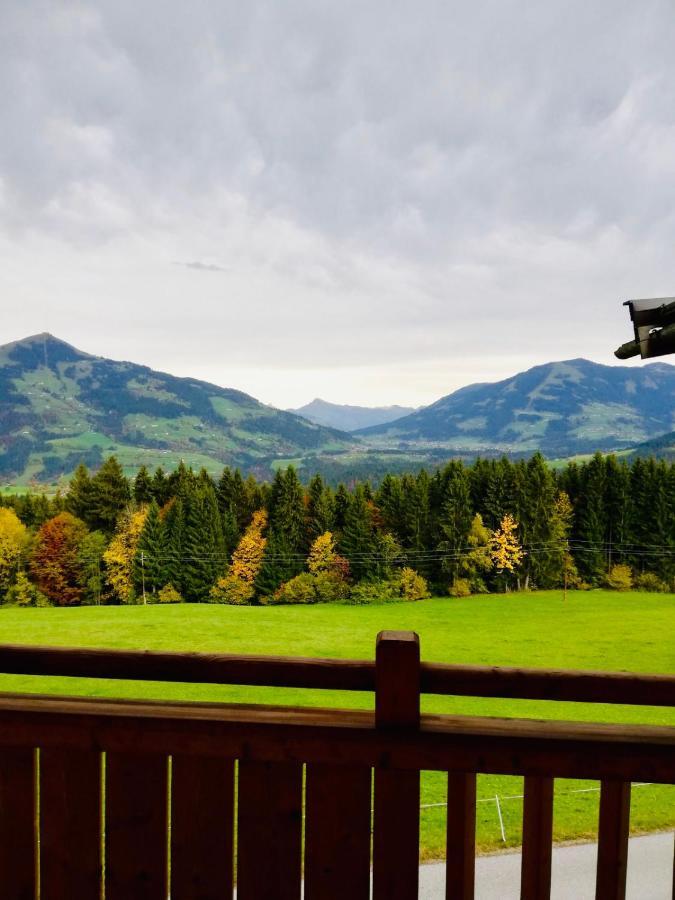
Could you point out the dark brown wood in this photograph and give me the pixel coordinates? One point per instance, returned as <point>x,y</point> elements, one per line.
<point>342,674</point>
<point>202,828</point>
<point>147,665</point>
<point>269,832</point>
<point>442,743</point>
<point>136,826</point>
<point>613,840</point>
<point>70,824</point>
<point>535,879</point>
<point>549,684</point>
<point>460,868</point>
<point>337,832</point>
<point>17,824</point>
<point>397,793</point>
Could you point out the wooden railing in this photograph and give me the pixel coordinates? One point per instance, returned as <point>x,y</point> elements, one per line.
<point>131,799</point>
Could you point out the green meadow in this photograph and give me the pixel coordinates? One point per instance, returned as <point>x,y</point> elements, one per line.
<point>591,630</point>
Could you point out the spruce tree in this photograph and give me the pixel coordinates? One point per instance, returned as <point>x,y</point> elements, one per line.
<point>174,528</point>
<point>456,518</point>
<point>150,561</point>
<point>80,495</point>
<point>357,540</point>
<point>204,558</point>
<point>591,520</point>
<point>143,492</point>
<point>110,494</point>
<point>320,513</point>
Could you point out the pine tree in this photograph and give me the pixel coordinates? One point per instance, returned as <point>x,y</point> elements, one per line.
<point>320,512</point>
<point>174,530</point>
<point>80,495</point>
<point>143,492</point>
<point>455,518</point>
<point>109,495</point>
<point>150,561</point>
<point>204,558</point>
<point>590,518</point>
<point>537,505</point>
<point>357,540</point>
<point>160,487</point>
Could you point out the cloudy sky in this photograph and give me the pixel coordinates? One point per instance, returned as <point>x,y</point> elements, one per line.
<point>373,201</point>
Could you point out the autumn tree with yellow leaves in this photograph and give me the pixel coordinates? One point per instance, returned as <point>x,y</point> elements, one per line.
<point>247,558</point>
<point>120,555</point>
<point>505,549</point>
<point>13,540</point>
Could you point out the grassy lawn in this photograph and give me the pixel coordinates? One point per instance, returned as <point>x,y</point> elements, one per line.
<point>595,630</point>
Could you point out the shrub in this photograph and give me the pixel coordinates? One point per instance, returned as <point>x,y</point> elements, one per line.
<point>232,590</point>
<point>460,587</point>
<point>300,589</point>
<point>24,593</point>
<point>412,586</point>
<point>619,578</point>
<point>373,592</point>
<point>329,587</point>
<point>650,582</point>
<point>169,594</point>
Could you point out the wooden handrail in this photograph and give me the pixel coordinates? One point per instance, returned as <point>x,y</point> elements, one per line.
<point>338,674</point>
<point>332,737</point>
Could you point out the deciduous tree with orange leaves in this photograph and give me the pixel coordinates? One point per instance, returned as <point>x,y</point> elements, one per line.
<point>55,562</point>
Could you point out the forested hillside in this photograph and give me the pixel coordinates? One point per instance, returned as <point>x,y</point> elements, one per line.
<point>494,525</point>
<point>561,409</point>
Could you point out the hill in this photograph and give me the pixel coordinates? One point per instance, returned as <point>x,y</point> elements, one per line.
<point>662,446</point>
<point>349,418</point>
<point>60,405</point>
<point>561,408</point>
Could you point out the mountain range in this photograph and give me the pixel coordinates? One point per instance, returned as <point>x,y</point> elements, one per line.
<point>349,418</point>
<point>60,406</point>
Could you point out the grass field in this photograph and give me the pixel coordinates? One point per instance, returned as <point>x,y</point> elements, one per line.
<point>595,630</point>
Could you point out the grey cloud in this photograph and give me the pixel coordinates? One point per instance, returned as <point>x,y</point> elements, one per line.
<point>384,176</point>
<point>203,267</point>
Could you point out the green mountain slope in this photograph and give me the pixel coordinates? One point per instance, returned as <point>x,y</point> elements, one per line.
<point>349,418</point>
<point>561,408</point>
<point>662,446</point>
<point>59,405</point>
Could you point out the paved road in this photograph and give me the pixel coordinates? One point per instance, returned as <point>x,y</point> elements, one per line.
<point>650,873</point>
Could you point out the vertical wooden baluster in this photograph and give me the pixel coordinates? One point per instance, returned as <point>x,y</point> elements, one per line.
<point>337,832</point>
<point>397,793</point>
<point>70,824</point>
<point>269,830</point>
<point>202,828</point>
<point>17,823</point>
<point>136,826</point>
<point>613,840</point>
<point>460,867</point>
<point>535,879</point>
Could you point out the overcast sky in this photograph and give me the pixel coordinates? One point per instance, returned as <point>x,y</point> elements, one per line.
<point>371,201</point>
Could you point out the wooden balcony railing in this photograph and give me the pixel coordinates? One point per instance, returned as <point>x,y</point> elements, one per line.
<point>129,799</point>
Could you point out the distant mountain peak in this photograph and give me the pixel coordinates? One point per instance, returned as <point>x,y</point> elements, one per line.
<point>347,417</point>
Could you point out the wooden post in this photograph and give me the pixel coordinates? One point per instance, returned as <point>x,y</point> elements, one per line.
<point>535,879</point>
<point>397,793</point>
<point>460,858</point>
<point>613,840</point>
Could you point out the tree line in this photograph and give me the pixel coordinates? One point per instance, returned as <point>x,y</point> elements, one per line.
<point>492,525</point>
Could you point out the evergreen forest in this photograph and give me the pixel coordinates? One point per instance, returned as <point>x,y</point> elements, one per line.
<point>489,526</point>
